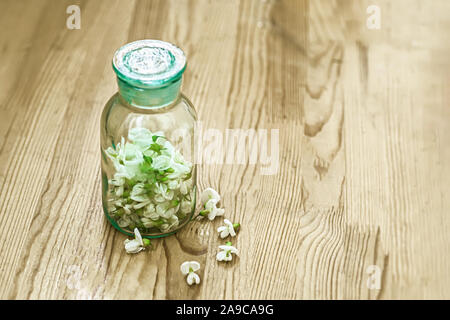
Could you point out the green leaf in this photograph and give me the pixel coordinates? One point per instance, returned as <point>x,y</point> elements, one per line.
<point>148,159</point>
<point>155,147</point>
<point>188,176</point>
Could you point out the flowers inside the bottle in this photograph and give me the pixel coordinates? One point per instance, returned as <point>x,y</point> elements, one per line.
<point>152,187</point>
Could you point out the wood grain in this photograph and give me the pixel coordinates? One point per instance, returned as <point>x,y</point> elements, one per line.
<point>364,165</point>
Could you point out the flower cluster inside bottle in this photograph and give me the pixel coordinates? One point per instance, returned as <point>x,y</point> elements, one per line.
<point>152,187</point>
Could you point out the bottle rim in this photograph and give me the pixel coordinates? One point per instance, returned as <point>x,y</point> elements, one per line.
<point>149,63</point>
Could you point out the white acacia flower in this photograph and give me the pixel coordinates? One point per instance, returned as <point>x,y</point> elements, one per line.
<point>142,137</point>
<point>209,194</point>
<point>211,210</point>
<point>142,204</point>
<point>173,184</point>
<point>165,210</point>
<point>152,216</point>
<point>138,189</point>
<point>186,206</point>
<point>227,252</point>
<point>126,207</point>
<point>228,229</point>
<point>118,181</point>
<point>189,268</point>
<point>209,199</point>
<point>150,211</point>
<point>119,191</point>
<point>185,186</point>
<point>179,170</point>
<point>124,221</point>
<point>148,223</point>
<point>162,192</point>
<point>161,162</point>
<point>172,222</point>
<point>141,195</point>
<point>136,245</point>
<point>132,155</point>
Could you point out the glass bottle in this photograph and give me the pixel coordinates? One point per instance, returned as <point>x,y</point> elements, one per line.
<point>147,142</point>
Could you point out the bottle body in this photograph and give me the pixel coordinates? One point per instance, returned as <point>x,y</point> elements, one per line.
<point>148,170</point>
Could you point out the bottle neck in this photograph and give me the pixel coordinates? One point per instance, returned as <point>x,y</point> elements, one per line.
<point>150,98</point>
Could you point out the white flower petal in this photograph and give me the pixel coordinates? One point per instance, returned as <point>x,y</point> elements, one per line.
<point>126,208</point>
<point>185,267</point>
<point>150,210</point>
<point>119,191</point>
<point>147,222</point>
<point>209,194</point>
<point>141,205</point>
<point>133,246</point>
<point>142,137</point>
<point>135,133</point>
<point>221,256</point>
<point>183,188</point>
<point>190,278</point>
<point>124,222</point>
<point>210,204</point>
<point>228,257</point>
<point>224,233</point>
<point>221,228</point>
<point>195,265</point>
<point>138,189</point>
<point>161,162</point>
<point>211,215</point>
<point>138,236</point>
<point>173,184</point>
<point>186,206</point>
<point>219,211</point>
<point>195,277</point>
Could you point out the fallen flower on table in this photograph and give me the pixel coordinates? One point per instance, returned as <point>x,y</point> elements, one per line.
<point>137,244</point>
<point>227,252</point>
<point>208,194</point>
<point>209,200</point>
<point>229,229</point>
<point>189,268</point>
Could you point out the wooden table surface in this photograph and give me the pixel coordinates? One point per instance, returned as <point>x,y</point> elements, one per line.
<point>364,156</point>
